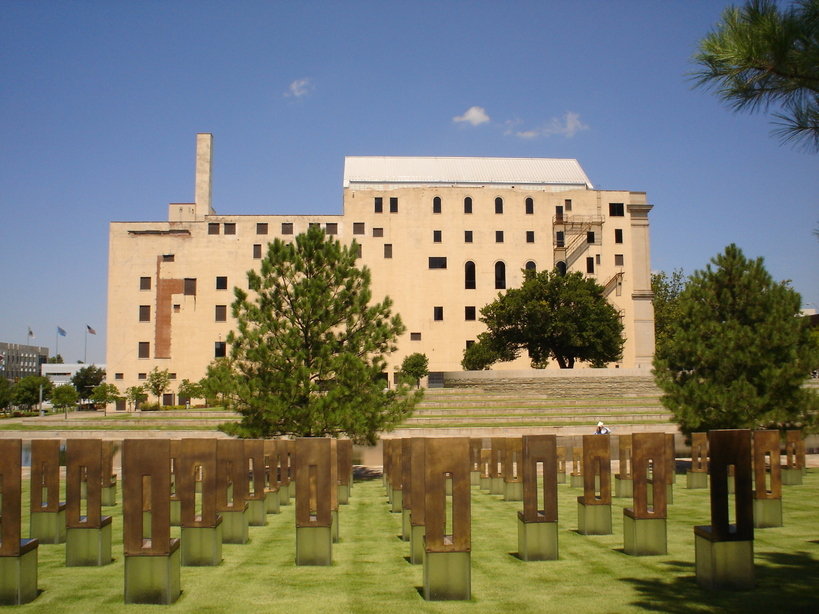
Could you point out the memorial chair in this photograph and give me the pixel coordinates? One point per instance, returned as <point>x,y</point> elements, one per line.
<point>697,476</point>
<point>88,532</point>
<point>314,480</point>
<point>47,515</point>
<point>644,524</point>
<point>18,556</point>
<point>767,480</point>
<point>594,506</point>
<point>537,526</point>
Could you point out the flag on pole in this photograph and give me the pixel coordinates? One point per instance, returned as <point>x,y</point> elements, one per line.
<point>61,331</point>
<point>30,332</point>
<point>90,330</point>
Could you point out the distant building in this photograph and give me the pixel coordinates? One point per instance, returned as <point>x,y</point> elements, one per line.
<point>60,374</point>
<point>441,236</point>
<point>18,360</point>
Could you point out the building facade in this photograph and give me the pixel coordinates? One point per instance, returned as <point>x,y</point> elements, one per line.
<point>441,236</point>
<point>18,360</point>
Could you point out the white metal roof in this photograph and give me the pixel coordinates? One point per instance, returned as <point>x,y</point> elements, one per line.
<point>436,170</point>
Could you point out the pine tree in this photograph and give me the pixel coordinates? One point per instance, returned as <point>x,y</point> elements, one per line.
<point>310,343</point>
<point>737,355</point>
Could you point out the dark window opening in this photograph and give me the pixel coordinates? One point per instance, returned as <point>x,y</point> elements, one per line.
<point>287,228</point>
<point>144,349</point>
<point>498,236</point>
<point>560,241</point>
<point>437,262</point>
<point>168,258</point>
<point>500,276</point>
<point>378,232</point>
<point>469,313</point>
<point>436,236</point>
<point>144,313</point>
<point>257,250</point>
<point>530,206</point>
<point>331,228</point>
<point>221,283</point>
<point>616,209</point>
<point>561,267</point>
<point>438,313</point>
<point>468,204</point>
<point>469,275</point>
<point>261,228</point>
<point>618,235</point>
<point>144,283</point>
<point>393,204</point>
<point>358,228</point>
<point>190,286</point>
<point>498,205</point>
<point>590,236</point>
<point>415,336</point>
<point>589,265</point>
<point>118,376</point>
<point>530,236</point>
<point>531,266</point>
<point>219,349</point>
<point>618,260</point>
<point>230,228</point>
<point>567,202</point>
<point>213,228</point>
<point>436,204</point>
<point>467,236</point>
<point>378,204</point>
<point>387,250</point>
<point>220,313</point>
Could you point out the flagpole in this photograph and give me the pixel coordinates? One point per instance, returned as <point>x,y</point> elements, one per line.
<point>56,343</point>
<point>85,352</point>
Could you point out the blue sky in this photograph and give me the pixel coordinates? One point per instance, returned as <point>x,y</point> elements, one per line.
<point>100,103</point>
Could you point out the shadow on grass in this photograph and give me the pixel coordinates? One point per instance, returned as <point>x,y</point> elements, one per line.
<point>785,582</point>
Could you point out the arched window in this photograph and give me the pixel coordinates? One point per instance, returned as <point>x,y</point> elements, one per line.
<point>436,204</point>
<point>530,206</point>
<point>498,205</point>
<point>531,266</point>
<point>468,204</point>
<point>500,276</point>
<point>469,275</point>
<point>561,267</point>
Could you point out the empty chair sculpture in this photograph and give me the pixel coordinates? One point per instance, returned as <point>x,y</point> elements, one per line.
<point>537,525</point>
<point>18,557</point>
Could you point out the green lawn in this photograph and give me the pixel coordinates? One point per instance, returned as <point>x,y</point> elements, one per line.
<point>371,574</point>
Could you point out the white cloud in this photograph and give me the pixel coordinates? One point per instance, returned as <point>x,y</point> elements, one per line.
<point>474,115</point>
<point>300,88</point>
<point>567,126</point>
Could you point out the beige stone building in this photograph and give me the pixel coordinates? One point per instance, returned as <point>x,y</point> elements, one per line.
<point>442,236</point>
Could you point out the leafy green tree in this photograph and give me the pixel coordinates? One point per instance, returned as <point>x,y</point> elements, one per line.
<point>5,393</point>
<point>759,56</point>
<point>414,367</point>
<point>666,289</point>
<point>737,355</point>
<point>26,392</point>
<point>190,390</point>
<point>158,382</point>
<point>564,317</point>
<point>136,395</point>
<point>86,379</point>
<point>218,383</point>
<point>485,352</point>
<point>56,360</point>
<point>65,396</point>
<point>105,393</point>
<point>310,343</point>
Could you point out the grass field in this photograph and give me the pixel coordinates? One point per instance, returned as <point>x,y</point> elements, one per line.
<point>371,573</point>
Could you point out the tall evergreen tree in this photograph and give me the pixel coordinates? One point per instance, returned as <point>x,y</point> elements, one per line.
<point>666,290</point>
<point>551,316</point>
<point>309,345</point>
<point>737,355</point>
<point>759,56</point>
